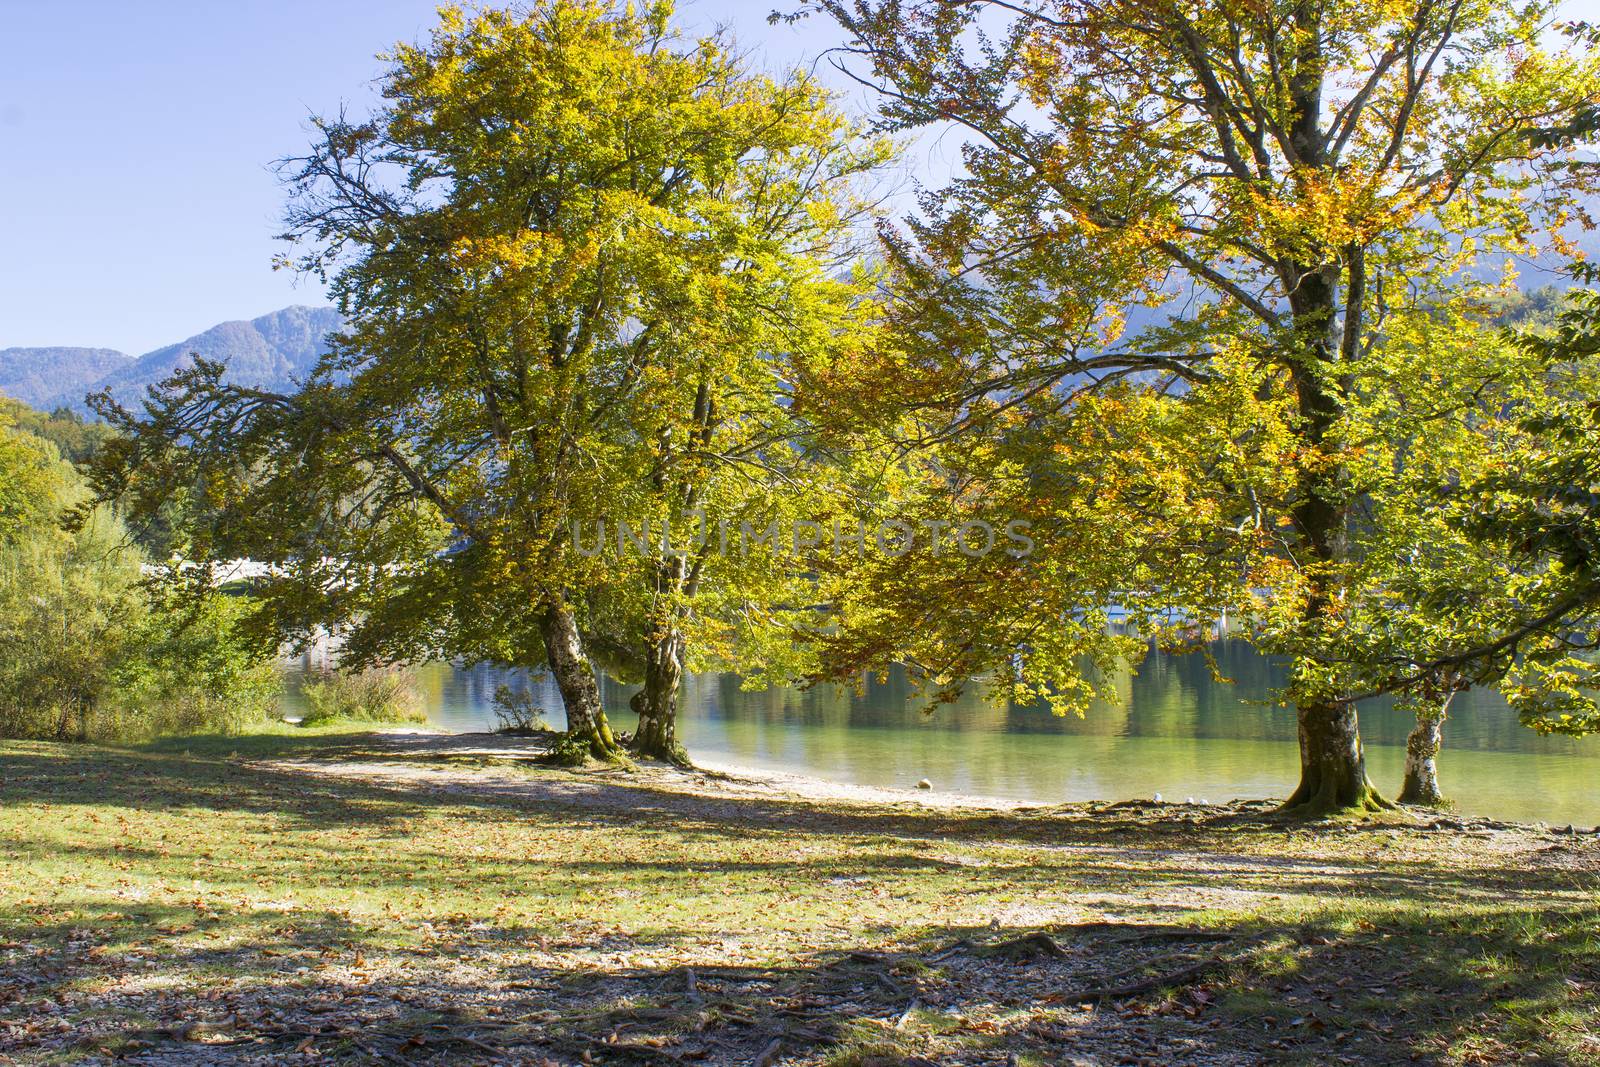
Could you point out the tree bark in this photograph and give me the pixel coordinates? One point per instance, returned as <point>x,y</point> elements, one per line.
<point>657,703</point>
<point>666,647</point>
<point>580,693</point>
<point>1333,766</point>
<point>1422,751</point>
<point>1333,770</point>
<point>675,582</point>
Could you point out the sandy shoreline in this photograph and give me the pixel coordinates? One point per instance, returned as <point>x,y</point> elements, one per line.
<point>728,777</point>
<point>720,779</point>
<point>716,776</point>
<point>717,779</point>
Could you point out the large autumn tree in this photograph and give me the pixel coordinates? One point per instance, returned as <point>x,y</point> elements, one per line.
<point>574,252</point>
<point>1217,214</point>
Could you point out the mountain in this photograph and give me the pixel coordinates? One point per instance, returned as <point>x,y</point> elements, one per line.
<point>271,352</point>
<point>36,376</point>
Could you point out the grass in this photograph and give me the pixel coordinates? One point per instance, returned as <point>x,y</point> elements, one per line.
<point>314,894</point>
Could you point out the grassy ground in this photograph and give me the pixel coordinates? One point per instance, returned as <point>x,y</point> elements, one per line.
<point>304,897</point>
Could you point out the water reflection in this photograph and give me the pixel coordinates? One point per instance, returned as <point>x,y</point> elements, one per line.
<point>1174,731</point>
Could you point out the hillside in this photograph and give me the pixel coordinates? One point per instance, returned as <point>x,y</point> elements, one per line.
<point>271,352</point>
<point>281,347</point>
<point>37,375</point>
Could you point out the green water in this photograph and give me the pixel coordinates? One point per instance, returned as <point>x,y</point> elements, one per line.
<point>1174,731</point>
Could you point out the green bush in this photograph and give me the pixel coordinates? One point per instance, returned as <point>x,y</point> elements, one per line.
<point>195,673</point>
<point>89,651</point>
<point>377,694</point>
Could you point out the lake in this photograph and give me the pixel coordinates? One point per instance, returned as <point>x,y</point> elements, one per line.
<point>1174,731</point>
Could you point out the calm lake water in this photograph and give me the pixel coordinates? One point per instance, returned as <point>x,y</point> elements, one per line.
<point>1174,731</point>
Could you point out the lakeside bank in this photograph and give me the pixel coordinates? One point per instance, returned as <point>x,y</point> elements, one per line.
<point>1174,730</point>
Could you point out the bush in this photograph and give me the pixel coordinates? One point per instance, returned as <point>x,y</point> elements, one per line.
<point>87,650</point>
<point>377,694</point>
<point>88,653</point>
<point>516,713</point>
<point>195,672</point>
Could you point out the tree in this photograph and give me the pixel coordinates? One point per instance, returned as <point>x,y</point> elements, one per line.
<point>86,651</point>
<point>1444,409</point>
<point>1449,589</point>
<point>574,253</point>
<point>1297,186</point>
<point>31,481</point>
<point>75,437</point>
<point>1536,510</point>
<point>1542,508</point>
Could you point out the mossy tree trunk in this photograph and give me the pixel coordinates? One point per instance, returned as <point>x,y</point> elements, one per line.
<point>676,581</point>
<point>1333,766</point>
<point>666,648</point>
<point>657,703</point>
<point>580,692</point>
<point>1322,347</point>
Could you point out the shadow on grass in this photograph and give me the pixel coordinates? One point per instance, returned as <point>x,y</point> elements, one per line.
<point>1513,986</point>
<point>1095,847</point>
<point>1375,960</point>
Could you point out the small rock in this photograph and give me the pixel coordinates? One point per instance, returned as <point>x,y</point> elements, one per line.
<point>1157,799</point>
<point>1188,800</point>
<point>924,784</point>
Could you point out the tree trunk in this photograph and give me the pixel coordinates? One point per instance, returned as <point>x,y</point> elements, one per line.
<point>1422,751</point>
<point>587,729</point>
<point>657,703</point>
<point>1333,767</point>
<point>1333,770</point>
<point>666,648</point>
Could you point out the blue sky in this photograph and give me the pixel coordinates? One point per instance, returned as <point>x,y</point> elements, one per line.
<point>137,205</point>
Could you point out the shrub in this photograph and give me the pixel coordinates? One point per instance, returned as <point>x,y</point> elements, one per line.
<point>516,712</point>
<point>376,694</point>
<point>196,673</point>
<point>88,651</point>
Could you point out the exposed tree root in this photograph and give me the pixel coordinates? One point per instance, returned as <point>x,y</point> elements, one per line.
<point>1027,947</point>
<point>1039,944</point>
<point>1148,985</point>
<point>1437,801</point>
<point>665,750</point>
<point>1165,980</point>
<point>578,748</point>
<point>1328,800</point>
